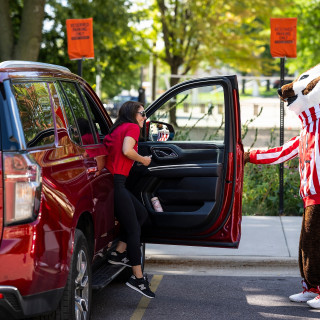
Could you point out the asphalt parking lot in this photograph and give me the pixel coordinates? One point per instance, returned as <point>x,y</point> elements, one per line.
<point>204,297</point>
<point>251,282</point>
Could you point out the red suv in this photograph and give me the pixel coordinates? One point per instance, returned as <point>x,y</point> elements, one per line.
<point>57,224</point>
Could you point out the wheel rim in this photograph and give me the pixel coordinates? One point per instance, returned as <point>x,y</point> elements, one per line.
<point>81,287</point>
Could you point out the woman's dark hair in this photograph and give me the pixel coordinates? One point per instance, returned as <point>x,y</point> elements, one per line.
<point>84,126</point>
<point>127,113</point>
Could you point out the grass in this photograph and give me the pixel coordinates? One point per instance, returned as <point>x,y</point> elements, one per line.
<point>262,93</point>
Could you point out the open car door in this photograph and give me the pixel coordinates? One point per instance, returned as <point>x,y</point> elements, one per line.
<point>197,165</point>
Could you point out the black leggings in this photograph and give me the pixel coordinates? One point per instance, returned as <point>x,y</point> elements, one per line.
<point>131,215</point>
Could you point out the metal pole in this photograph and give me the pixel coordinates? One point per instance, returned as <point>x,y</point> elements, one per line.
<point>282,61</point>
<point>79,67</point>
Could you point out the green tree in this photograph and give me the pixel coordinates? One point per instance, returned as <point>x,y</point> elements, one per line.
<point>119,53</point>
<point>21,29</point>
<point>249,49</point>
<point>212,32</point>
<point>308,37</point>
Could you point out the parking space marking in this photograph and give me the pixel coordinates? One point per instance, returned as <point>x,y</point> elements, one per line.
<point>144,302</point>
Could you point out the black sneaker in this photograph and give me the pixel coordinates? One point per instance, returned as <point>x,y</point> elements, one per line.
<point>119,258</point>
<point>140,285</point>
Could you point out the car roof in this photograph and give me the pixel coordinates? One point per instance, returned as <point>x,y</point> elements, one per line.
<point>31,65</point>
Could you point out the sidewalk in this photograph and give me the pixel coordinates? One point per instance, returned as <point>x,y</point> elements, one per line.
<point>264,240</point>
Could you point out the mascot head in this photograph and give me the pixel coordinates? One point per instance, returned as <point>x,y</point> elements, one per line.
<point>304,92</point>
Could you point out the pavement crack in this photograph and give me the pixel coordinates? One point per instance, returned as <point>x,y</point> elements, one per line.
<point>285,237</point>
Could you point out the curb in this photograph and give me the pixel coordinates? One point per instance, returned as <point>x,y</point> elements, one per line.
<point>223,261</point>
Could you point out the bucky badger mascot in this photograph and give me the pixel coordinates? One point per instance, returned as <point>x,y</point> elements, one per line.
<point>303,98</point>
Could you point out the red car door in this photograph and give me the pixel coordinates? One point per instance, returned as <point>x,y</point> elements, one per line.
<point>197,169</point>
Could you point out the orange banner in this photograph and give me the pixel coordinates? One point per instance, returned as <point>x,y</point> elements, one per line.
<point>283,40</point>
<point>80,38</point>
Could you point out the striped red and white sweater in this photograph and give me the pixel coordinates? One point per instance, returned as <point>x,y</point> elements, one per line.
<point>306,146</point>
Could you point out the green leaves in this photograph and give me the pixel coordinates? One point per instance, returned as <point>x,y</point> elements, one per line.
<point>194,32</point>
<point>308,38</point>
<point>119,51</point>
<point>261,189</point>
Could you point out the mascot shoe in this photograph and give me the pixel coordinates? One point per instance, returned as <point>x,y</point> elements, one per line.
<point>306,295</point>
<point>314,303</point>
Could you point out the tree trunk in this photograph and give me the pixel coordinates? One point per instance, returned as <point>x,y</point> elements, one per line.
<point>6,43</point>
<point>243,86</point>
<point>30,35</point>
<point>173,109</point>
<point>154,79</point>
<point>268,85</point>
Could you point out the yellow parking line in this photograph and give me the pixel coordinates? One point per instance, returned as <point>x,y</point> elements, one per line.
<point>144,302</point>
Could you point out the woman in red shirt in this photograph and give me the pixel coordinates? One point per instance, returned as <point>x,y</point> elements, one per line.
<point>122,151</point>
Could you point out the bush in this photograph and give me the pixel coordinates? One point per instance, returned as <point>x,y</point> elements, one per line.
<point>261,189</point>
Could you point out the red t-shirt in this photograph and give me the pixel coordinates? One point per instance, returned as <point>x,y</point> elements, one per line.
<point>117,162</point>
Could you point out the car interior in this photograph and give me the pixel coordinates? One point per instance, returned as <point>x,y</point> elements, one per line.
<point>188,167</point>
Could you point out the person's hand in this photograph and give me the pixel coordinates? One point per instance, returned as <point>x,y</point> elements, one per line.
<point>97,173</point>
<point>246,157</point>
<point>146,160</point>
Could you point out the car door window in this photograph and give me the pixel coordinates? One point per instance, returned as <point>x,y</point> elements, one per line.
<point>72,125</point>
<point>60,117</point>
<point>34,106</point>
<point>99,123</point>
<point>199,116</point>
<point>78,109</point>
